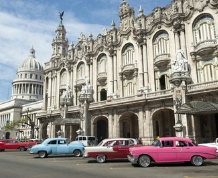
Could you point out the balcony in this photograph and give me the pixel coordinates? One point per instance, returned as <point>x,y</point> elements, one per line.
<point>129,69</point>
<point>162,60</point>
<point>102,77</point>
<point>203,49</point>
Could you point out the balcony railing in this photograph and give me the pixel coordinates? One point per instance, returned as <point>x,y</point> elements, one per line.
<point>203,86</point>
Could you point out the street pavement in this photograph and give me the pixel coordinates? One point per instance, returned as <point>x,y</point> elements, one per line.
<point>18,164</point>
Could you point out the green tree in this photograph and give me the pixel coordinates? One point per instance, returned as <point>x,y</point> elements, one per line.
<point>14,124</point>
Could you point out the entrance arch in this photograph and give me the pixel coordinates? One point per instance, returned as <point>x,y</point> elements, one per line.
<point>101,128</point>
<point>129,125</point>
<point>163,122</point>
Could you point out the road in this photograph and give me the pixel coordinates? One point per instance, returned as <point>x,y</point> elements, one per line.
<point>17,164</point>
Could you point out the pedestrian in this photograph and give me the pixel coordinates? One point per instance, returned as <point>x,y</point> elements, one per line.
<point>139,140</point>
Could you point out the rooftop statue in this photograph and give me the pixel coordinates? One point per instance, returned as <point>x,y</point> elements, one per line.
<point>61,15</point>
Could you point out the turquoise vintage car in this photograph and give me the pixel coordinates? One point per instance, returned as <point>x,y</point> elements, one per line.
<point>57,146</point>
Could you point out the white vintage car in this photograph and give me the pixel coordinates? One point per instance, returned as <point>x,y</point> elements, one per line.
<point>213,144</point>
<point>115,148</point>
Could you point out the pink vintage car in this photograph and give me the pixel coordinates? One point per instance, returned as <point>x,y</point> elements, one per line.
<point>171,149</point>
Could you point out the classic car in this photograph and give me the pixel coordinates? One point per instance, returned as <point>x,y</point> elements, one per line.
<point>171,149</point>
<point>115,148</point>
<point>213,144</point>
<point>57,146</point>
<point>13,144</point>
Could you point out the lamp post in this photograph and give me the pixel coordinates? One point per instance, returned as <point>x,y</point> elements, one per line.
<point>85,98</point>
<point>178,126</point>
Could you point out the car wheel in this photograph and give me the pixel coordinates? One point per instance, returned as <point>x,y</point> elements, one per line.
<point>77,153</point>
<point>101,158</point>
<point>144,161</point>
<point>197,160</point>
<point>22,148</point>
<point>42,154</point>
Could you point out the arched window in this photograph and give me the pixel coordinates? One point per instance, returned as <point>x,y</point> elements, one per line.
<point>204,29</point>
<point>81,71</point>
<point>63,77</point>
<point>128,55</point>
<point>129,89</point>
<point>36,76</point>
<point>103,95</point>
<point>162,81</point>
<point>102,63</point>
<point>161,43</point>
<point>207,70</point>
<point>25,75</point>
<point>31,75</point>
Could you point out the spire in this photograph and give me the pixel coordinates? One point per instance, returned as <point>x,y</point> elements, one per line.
<point>32,53</point>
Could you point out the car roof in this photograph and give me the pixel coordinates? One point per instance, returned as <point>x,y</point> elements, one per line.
<point>175,138</point>
<point>113,139</point>
<point>48,139</point>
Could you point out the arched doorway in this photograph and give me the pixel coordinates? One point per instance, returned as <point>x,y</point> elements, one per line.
<point>129,125</point>
<point>101,128</point>
<point>163,122</point>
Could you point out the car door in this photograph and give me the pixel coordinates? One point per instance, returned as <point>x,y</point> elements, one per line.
<point>121,149</point>
<point>167,151</point>
<point>183,151</point>
<point>52,147</point>
<point>62,147</point>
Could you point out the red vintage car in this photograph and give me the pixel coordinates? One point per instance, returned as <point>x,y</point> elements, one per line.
<point>13,144</point>
<point>116,148</point>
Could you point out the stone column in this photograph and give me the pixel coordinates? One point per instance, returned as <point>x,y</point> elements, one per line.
<point>177,45</point>
<point>110,75</point>
<point>140,82</point>
<point>115,73</point>
<point>183,42</point>
<point>145,65</point>
<point>141,122</point>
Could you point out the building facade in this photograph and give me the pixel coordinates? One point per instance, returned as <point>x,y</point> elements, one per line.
<point>153,75</point>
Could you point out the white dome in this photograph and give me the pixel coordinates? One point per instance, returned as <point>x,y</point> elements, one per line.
<point>31,63</point>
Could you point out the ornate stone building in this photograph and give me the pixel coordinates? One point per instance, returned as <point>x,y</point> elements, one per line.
<point>153,75</point>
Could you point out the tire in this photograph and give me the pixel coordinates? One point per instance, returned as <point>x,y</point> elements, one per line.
<point>144,161</point>
<point>22,148</point>
<point>77,153</point>
<point>197,161</point>
<point>43,154</point>
<point>101,158</point>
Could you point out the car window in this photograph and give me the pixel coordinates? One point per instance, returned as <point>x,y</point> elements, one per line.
<point>113,143</point>
<point>123,142</point>
<point>61,142</point>
<point>52,142</point>
<point>167,143</point>
<point>84,138</point>
<point>156,143</point>
<point>91,138</point>
<point>181,144</point>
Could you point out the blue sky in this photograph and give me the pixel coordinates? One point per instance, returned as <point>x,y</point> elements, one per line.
<point>32,23</point>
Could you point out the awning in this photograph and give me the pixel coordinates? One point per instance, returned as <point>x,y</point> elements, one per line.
<point>197,107</point>
<point>63,121</point>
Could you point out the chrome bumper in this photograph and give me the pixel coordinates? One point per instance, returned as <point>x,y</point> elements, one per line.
<point>132,159</point>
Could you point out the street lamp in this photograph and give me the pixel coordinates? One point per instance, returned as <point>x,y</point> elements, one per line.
<point>178,126</point>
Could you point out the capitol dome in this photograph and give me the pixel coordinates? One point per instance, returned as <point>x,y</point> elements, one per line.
<point>29,81</point>
<point>31,63</point>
